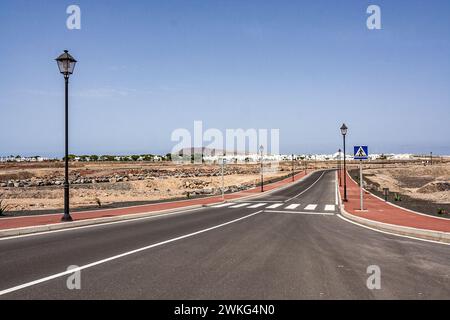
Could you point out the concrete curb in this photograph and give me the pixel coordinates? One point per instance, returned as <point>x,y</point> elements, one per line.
<point>396,229</point>
<point>400,230</point>
<point>87,222</point>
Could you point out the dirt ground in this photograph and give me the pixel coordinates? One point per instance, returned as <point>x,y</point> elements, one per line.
<point>421,188</point>
<point>430,183</point>
<point>37,187</point>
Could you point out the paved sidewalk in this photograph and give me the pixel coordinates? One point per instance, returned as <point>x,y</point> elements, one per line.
<point>380,211</point>
<point>47,219</point>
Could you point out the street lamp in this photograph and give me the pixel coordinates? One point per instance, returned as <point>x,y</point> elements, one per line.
<point>261,149</point>
<point>344,133</point>
<point>293,168</point>
<point>66,64</point>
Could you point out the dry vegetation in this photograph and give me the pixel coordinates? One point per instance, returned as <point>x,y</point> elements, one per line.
<point>38,186</point>
<point>430,183</point>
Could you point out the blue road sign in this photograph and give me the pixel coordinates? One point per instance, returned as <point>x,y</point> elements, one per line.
<point>360,152</point>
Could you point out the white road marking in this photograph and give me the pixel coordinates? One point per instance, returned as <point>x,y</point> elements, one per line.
<point>257,205</point>
<point>240,205</point>
<point>156,215</point>
<point>276,205</point>
<point>96,263</point>
<point>302,212</point>
<point>336,179</point>
<point>292,206</point>
<point>223,205</point>
<point>311,207</point>
<point>329,207</point>
<point>306,188</point>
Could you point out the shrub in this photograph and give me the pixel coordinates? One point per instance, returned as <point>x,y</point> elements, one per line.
<point>441,211</point>
<point>3,208</point>
<point>397,197</point>
<point>98,201</point>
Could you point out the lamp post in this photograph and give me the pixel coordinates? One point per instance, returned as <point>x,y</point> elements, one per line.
<point>261,149</point>
<point>339,167</point>
<point>344,130</point>
<point>293,169</point>
<point>431,158</point>
<point>66,64</point>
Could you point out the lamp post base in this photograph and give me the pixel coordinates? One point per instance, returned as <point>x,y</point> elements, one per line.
<point>66,218</point>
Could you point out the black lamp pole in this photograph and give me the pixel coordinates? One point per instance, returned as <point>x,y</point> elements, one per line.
<point>344,133</point>
<point>293,169</point>
<point>66,64</point>
<point>66,216</point>
<point>339,168</point>
<point>261,148</point>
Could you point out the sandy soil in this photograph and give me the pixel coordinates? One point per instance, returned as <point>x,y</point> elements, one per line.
<point>430,183</point>
<point>138,182</point>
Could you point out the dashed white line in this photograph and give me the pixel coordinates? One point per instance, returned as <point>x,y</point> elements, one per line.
<point>311,207</point>
<point>292,206</point>
<point>330,207</point>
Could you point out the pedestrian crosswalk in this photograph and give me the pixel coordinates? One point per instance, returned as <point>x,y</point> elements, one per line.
<point>279,206</point>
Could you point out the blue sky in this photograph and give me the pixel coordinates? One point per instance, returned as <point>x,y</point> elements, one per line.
<point>149,67</point>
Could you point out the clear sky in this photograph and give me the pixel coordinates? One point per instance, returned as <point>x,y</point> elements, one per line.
<point>148,67</point>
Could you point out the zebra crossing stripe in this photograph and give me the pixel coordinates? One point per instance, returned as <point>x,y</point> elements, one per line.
<point>223,205</point>
<point>240,205</point>
<point>311,207</point>
<point>274,206</point>
<point>257,205</point>
<point>292,206</point>
<point>329,207</point>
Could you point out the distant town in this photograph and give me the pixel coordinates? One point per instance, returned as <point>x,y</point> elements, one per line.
<point>208,158</point>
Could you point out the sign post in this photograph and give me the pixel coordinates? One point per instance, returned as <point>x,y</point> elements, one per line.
<point>361,153</point>
<point>223,183</point>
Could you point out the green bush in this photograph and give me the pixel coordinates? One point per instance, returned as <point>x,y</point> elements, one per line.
<point>397,197</point>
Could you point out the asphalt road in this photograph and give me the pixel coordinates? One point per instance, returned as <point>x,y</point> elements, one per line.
<point>290,244</point>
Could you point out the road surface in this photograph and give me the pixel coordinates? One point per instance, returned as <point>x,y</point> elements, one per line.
<point>290,244</point>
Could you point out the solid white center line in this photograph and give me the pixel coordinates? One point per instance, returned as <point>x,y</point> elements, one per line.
<point>257,205</point>
<point>292,206</point>
<point>306,188</point>
<point>329,207</point>
<point>96,263</point>
<point>311,207</point>
<point>240,205</point>
<point>276,205</point>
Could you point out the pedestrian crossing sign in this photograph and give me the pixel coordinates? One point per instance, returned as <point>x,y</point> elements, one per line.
<point>361,152</point>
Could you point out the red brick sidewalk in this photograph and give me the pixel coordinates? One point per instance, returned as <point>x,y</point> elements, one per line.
<point>32,221</point>
<point>379,210</point>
